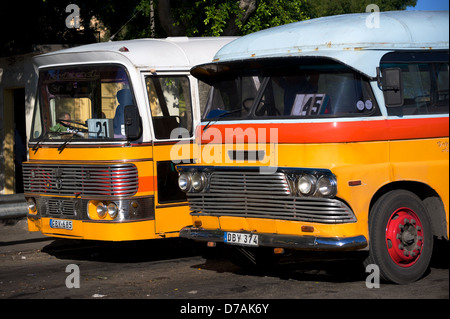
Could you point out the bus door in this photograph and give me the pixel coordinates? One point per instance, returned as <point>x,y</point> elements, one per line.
<point>171,106</point>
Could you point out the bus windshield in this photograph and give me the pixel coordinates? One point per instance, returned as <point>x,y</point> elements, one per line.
<point>289,89</point>
<point>81,102</point>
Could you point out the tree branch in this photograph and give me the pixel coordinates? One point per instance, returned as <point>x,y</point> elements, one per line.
<point>249,6</point>
<point>167,21</point>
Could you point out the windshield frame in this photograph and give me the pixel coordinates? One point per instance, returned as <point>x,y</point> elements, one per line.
<point>266,68</point>
<point>75,126</point>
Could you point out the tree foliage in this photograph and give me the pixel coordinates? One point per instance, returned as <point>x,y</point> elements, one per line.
<point>25,23</point>
<point>228,17</point>
<point>322,8</point>
<point>239,17</point>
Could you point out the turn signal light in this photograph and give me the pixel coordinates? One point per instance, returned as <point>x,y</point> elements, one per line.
<point>197,223</point>
<point>278,251</point>
<point>308,229</point>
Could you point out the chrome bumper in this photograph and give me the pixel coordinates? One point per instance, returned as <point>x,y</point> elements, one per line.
<point>282,241</point>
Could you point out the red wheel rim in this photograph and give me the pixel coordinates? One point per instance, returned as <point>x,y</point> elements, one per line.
<point>404,237</point>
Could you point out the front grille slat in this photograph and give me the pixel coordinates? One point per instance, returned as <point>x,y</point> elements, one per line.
<point>250,182</point>
<point>81,180</point>
<point>254,195</point>
<point>61,207</point>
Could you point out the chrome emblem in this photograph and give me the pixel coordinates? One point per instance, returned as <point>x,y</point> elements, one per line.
<point>58,183</point>
<point>60,206</point>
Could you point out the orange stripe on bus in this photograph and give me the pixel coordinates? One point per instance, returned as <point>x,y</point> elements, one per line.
<point>146,183</point>
<point>329,132</point>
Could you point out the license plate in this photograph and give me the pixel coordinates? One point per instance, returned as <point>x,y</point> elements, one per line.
<point>241,239</point>
<point>61,224</point>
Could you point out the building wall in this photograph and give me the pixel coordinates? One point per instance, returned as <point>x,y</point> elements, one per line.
<point>18,81</point>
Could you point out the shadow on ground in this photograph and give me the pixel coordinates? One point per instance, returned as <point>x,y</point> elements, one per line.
<point>123,252</point>
<point>294,265</point>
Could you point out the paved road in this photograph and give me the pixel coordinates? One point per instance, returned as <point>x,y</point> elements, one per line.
<point>34,267</point>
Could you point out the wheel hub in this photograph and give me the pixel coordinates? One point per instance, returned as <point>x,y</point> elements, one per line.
<point>404,237</point>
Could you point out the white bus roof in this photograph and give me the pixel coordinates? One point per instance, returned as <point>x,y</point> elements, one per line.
<point>178,53</point>
<point>340,37</point>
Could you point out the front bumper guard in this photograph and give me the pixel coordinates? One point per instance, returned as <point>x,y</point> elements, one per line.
<point>282,241</point>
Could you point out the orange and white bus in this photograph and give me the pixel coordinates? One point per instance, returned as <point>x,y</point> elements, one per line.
<point>105,117</point>
<point>328,134</point>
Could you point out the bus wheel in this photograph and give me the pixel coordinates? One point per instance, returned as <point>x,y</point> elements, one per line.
<point>401,240</point>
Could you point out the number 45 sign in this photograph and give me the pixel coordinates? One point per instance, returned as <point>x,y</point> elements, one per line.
<point>100,128</point>
<point>309,104</point>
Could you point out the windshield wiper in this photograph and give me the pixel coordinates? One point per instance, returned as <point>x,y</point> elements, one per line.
<point>72,131</point>
<point>61,121</point>
<point>215,119</point>
<point>38,142</point>
<point>63,145</point>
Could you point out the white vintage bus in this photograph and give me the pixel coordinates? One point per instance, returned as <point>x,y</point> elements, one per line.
<point>106,115</point>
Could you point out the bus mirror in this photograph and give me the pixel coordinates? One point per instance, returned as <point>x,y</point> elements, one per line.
<point>391,84</point>
<point>133,123</point>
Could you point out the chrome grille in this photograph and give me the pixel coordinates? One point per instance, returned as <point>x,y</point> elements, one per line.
<point>61,206</point>
<point>249,194</point>
<point>80,180</point>
<point>250,183</point>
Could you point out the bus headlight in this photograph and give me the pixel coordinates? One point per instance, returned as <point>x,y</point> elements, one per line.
<point>198,181</point>
<point>113,210</point>
<point>32,208</point>
<point>101,210</point>
<point>306,185</point>
<point>184,181</point>
<point>326,186</point>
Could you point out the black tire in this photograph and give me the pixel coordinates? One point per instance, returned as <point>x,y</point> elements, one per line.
<point>401,238</point>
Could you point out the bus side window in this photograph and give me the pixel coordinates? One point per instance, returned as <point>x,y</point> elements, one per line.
<point>441,96</point>
<point>416,88</point>
<point>425,88</point>
<point>170,105</point>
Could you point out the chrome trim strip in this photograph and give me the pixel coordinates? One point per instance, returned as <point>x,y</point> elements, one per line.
<point>77,208</point>
<point>284,241</point>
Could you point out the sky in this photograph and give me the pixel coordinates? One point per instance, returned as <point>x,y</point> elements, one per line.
<point>430,5</point>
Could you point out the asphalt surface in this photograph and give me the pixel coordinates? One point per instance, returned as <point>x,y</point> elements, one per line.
<point>33,266</point>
